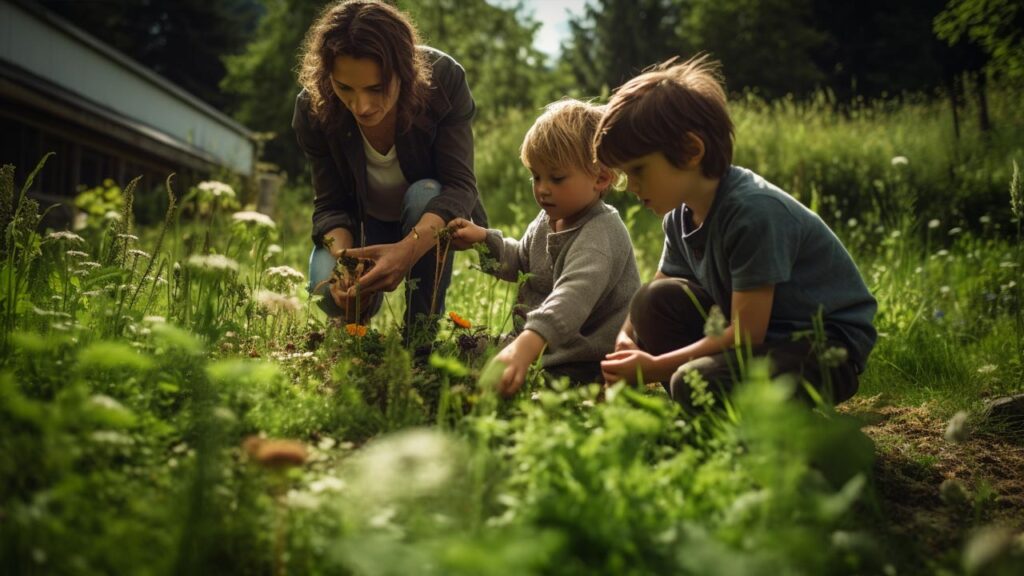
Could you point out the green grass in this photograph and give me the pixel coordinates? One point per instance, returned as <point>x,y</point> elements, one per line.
<point>130,381</point>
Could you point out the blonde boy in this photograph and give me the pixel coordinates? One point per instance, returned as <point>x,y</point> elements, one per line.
<point>732,240</point>
<point>577,252</point>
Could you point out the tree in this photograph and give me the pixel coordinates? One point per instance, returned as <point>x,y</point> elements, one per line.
<point>182,40</point>
<point>615,39</point>
<point>996,26</point>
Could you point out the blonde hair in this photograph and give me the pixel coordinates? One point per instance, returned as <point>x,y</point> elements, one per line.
<point>563,136</point>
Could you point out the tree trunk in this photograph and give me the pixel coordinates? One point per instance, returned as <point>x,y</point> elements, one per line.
<point>980,89</point>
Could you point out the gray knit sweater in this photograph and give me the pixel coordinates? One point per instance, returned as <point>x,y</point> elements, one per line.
<point>580,285</point>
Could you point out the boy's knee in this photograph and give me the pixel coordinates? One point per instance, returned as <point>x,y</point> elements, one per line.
<point>416,198</point>
<point>712,371</point>
<point>653,299</point>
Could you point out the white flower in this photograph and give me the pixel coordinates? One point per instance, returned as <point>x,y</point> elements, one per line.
<point>942,253</point>
<point>275,302</point>
<point>76,254</point>
<point>899,161</point>
<point>327,484</point>
<point>216,188</point>
<point>286,273</point>
<point>153,320</point>
<point>213,262</point>
<point>852,222</point>
<point>65,235</point>
<point>138,253</point>
<point>252,217</point>
<point>129,237</point>
<point>112,215</point>
<point>933,223</point>
<point>407,464</point>
<point>104,401</point>
<point>986,219</point>
<point>273,249</point>
<point>944,290</point>
<point>955,230</point>
<point>987,369</point>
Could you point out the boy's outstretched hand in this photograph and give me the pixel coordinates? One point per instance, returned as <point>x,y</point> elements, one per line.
<point>517,358</point>
<point>465,233</point>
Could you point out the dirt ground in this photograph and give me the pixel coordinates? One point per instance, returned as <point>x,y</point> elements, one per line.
<point>913,459</point>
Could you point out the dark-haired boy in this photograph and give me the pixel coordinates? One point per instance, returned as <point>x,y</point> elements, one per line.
<point>732,239</point>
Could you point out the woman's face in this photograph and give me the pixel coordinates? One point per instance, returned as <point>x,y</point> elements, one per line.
<point>358,83</point>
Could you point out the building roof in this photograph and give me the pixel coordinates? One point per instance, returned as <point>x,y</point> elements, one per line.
<point>43,55</point>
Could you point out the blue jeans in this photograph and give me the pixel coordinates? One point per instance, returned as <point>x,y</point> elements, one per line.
<point>418,299</point>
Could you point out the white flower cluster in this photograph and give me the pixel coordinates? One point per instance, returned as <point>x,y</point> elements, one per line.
<point>217,189</point>
<point>286,273</point>
<point>258,219</point>
<point>276,303</point>
<point>213,263</point>
<point>65,235</point>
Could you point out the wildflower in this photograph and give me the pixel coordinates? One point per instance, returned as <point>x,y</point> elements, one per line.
<point>259,219</point>
<point>65,235</point>
<point>955,230</point>
<point>273,250</point>
<point>213,263</point>
<point>460,321</point>
<point>276,303</point>
<point>89,264</point>
<point>129,237</point>
<point>986,219</point>
<point>327,484</point>
<point>407,464</point>
<point>899,161</point>
<point>356,330</point>
<point>956,430</point>
<point>138,253</point>
<point>76,254</point>
<point>987,369</point>
<point>896,234</point>
<point>933,223</point>
<point>153,319</point>
<point>216,189</point>
<point>852,222</point>
<point>944,290</point>
<point>286,273</point>
<point>715,324</point>
<point>112,215</point>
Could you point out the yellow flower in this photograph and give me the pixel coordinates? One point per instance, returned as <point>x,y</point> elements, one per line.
<point>357,330</point>
<point>460,321</point>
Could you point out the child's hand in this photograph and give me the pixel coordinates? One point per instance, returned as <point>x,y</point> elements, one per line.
<point>629,366</point>
<point>465,233</point>
<point>517,358</point>
<point>625,342</point>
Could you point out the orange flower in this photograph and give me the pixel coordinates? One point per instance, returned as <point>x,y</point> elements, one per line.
<point>460,321</point>
<point>357,330</point>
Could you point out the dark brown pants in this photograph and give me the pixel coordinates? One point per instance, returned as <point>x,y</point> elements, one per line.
<point>665,318</point>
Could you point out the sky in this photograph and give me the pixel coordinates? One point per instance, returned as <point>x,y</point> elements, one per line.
<point>554,18</point>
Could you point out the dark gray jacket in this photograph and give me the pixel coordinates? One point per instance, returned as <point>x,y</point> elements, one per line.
<point>438,145</point>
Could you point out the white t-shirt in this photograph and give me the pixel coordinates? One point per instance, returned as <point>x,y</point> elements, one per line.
<point>385,183</point>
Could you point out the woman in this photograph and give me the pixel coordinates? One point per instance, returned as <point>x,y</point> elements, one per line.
<point>386,127</point>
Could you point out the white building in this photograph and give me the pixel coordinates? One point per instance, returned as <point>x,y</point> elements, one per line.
<point>63,90</point>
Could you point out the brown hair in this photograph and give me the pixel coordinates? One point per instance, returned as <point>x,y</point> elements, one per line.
<point>364,29</point>
<point>563,136</point>
<point>656,110</point>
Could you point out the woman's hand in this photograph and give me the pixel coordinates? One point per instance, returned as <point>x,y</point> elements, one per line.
<point>350,303</point>
<point>465,233</point>
<point>392,263</point>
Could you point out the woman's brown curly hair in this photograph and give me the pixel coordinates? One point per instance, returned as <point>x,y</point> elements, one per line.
<point>364,29</point>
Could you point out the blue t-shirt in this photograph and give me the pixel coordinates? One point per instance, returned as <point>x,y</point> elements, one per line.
<point>755,234</point>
